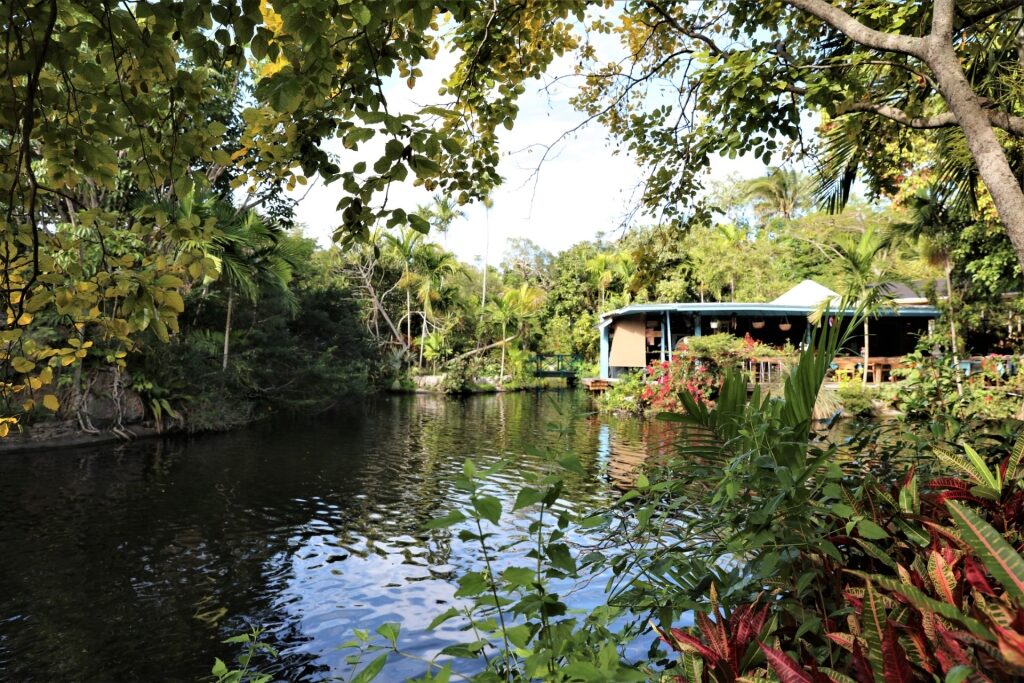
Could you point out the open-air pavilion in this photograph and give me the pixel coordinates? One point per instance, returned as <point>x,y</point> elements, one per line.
<point>635,335</point>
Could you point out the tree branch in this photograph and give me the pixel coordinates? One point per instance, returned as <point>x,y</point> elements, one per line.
<point>858,32</point>
<point>689,32</point>
<point>998,119</point>
<point>942,19</point>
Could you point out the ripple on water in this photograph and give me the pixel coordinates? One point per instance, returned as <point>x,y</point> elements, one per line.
<point>133,563</point>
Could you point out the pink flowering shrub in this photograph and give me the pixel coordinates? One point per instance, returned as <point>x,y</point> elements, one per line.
<point>665,380</point>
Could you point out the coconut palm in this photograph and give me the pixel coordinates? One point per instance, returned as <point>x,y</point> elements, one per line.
<point>434,269</point>
<point>864,271</point>
<point>404,245</point>
<point>251,255</point>
<point>779,194</point>
<point>626,270</point>
<point>601,268</point>
<point>514,307</point>
<point>443,213</point>
<point>931,226</point>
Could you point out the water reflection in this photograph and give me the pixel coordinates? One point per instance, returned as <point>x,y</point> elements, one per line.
<point>133,562</point>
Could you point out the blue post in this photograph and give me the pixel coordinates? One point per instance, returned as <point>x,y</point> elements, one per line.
<point>696,326</point>
<point>668,325</point>
<point>663,344</point>
<point>605,346</point>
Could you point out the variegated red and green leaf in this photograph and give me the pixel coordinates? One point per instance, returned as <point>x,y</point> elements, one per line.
<point>785,668</point>
<point>942,578</point>
<point>926,604</point>
<point>998,556</point>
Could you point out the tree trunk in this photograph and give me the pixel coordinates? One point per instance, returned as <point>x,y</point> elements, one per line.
<point>988,154</point>
<point>952,327</point>
<point>227,326</point>
<point>487,245</point>
<point>408,312</point>
<point>423,338</point>
<point>501,373</point>
<point>867,352</point>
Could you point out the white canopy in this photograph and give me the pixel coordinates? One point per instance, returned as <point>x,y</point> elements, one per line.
<point>808,293</point>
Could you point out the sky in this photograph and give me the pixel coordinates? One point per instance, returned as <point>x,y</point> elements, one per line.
<point>584,188</point>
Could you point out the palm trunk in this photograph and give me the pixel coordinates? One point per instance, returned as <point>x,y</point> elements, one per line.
<point>501,373</point>
<point>952,328</point>
<point>423,338</point>
<point>408,313</point>
<point>487,245</point>
<point>867,351</point>
<point>227,327</point>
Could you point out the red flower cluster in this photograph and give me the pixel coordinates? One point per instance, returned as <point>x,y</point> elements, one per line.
<point>666,380</point>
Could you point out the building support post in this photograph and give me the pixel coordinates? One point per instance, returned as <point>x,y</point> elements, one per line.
<point>696,325</point>
<point>663,344</point>
<point>605,351</point>
<point>668,326</point>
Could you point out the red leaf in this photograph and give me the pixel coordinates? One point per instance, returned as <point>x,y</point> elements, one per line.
<point>975,576</point>
<point>861,667</point>
<point>950,483</point>
<point>961,495</point>
<point>895,665</point>
<point>714,634</point>
<point>785,668</point>
<point>1011,645</point>
<point>681,641</point>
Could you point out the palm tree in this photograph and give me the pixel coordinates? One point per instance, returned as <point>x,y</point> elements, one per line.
<point>931,225</point>
<point>443,213</point>
<point>434,267</point>
<point>514,307</point>
<point>601,269</point>
<point>864,271</point>
<point>254,256</point>
<point>488,203</point>
<point>626,270</point>
<point>779,194</point>
<point>405,244</point>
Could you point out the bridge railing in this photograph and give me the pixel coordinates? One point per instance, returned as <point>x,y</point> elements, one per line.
<point>556,365</point>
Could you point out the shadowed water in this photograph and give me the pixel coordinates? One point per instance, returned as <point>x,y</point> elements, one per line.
<point>134,562</point>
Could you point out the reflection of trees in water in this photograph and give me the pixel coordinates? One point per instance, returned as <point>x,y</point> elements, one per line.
<point>136,561</point>
<point>629,445</point>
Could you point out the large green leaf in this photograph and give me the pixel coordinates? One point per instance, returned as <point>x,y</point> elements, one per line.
<point>1006,565</point>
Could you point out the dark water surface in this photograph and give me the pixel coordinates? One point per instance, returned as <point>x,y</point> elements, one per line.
<point>133,562</point>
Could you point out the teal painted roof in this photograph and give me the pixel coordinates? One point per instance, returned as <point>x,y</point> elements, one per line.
<point>724,308</point>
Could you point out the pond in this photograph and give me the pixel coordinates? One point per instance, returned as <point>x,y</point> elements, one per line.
<point>134,562</point>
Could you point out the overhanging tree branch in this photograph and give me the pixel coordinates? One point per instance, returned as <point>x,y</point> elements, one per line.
<point>858,32</point>
<point>998,119</point>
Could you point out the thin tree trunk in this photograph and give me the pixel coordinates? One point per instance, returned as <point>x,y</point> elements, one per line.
<point>408,312</point>
<point>423,337</point>
<point>501,373</point>
<point>487,245</point>
<point>954,340</point>
<point>867,351</point>
<point>227,327</point>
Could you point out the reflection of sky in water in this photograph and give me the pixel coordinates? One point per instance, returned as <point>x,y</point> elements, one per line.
<point>310,528</point>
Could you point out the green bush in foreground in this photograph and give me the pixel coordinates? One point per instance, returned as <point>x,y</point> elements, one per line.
<point>794,562</point>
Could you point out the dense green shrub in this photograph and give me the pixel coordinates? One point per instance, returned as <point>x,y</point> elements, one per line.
<point>856,399</point>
